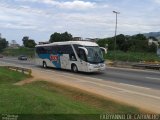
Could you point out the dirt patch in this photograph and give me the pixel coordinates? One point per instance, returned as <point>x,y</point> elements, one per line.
<point>27,81</point>
<point>36,76</point>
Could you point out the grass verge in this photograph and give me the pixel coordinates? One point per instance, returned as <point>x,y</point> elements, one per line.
<point>19,51</point>
<point>132,56</point>
<point>42,100</point>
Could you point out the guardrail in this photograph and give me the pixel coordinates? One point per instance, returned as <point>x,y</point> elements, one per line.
<point>23,70</point>
<point>134,65</point>
<point>147,66</point>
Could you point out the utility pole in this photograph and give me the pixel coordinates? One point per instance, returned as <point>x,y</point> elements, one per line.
<point>115,41</point>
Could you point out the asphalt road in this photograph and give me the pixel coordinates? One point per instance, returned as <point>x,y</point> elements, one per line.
<point>140,88</point>
<point>143,78</point>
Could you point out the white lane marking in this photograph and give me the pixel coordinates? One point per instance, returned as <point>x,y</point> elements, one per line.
<point>134,86</point>
<point>153,78</point>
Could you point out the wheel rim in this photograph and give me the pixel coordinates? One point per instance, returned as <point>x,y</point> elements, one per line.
<point>74,68</point>
<point>44,65</point>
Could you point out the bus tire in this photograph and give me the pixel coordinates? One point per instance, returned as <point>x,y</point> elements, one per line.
<point>44,64</point>
<point>74,68</point>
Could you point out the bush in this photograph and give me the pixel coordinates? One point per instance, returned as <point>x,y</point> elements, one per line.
<point>132,56</point>
<point>20,51</point>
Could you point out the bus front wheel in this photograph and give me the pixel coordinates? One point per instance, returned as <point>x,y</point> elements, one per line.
<point>74,68</point>
<point>44,65</point>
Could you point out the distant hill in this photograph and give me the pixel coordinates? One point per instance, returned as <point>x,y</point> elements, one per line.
<point>154,34</point>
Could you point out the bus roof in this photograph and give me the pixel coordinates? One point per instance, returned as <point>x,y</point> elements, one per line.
<point>84,43</point>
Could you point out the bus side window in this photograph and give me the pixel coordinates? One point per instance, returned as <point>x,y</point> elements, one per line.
<point>37,50</point>
<point>40,50</point>
<point>76,47</point>
<point>55,49</point>
<point>82,55</point>
<point>67,49</point>
<point>72,57</point>
<point>48,50</point>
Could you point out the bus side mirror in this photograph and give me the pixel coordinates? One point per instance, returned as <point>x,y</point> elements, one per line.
<point>104,50</point>
<point>84,49</point>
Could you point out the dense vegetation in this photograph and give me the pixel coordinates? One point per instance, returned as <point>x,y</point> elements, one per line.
<point>29,43</point>
<point>135,43</point>
<point>30,52</point>
<point>59,37</point>
<point>132,56</point>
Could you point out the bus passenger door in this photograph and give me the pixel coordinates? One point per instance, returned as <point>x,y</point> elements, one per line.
<point>65,62</point>
<point>83,59</point>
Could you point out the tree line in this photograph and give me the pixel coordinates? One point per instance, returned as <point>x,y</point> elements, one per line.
<point>59,37</point>
<point>3,43</point>
<point>29,43</point>
<point>55,37</point>
<point>135,43</point>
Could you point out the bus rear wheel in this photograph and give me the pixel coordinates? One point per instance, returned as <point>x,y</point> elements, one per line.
<point>74,68</point>
<point>44,65</point>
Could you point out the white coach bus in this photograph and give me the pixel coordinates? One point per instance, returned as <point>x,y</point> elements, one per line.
<point>72,55</point>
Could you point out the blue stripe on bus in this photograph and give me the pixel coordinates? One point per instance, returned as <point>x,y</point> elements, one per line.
<point>57,63</point>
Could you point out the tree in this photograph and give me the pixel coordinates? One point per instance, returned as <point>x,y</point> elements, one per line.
<point>25,39</point>
<point>153,38</point>
<point>59,37</point>
<point>3,44</point>
<point>66,36</point>
<point>139,37</point>
<point>56,37</point>
<point>109,41</point>
<point>102,42</point>
<point>121,42</point>
<point>138,43</point>
<point>30,43</point>
<point>152,48</point>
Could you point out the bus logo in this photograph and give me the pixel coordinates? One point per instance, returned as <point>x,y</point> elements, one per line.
<point>54,58</point>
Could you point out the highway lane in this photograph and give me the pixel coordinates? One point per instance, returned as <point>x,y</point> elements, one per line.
<point>149,79</point>
<point>113,83</point>
<point>142,78</point>
<point>15,60</point>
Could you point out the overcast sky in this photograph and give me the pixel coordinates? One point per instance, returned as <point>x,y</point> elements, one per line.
<point>38,19</point>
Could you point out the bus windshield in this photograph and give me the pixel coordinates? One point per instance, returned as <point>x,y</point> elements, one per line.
<point>95,54</point>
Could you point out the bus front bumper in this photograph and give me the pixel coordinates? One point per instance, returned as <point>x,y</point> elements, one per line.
<point>96,67</point>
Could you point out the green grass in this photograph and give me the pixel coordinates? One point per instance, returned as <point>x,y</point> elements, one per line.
<point>53,100</point>
<point>20,51</point>
<point>132,56</point>
<point>34,98</point>
<point>8,77</point>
